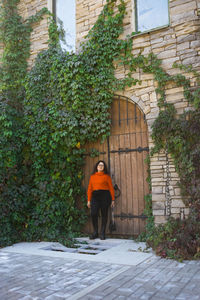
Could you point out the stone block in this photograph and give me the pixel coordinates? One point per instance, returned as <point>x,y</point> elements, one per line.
<point>159,212</point>
<point>145,97</point>
<point>183,17</point>
<point>161,183</point>
<point>147,76</point>
<point>187,211</point>
<point>146,50</point>
<point>191,60</point>
<point>180,111</point>
<point>177,2</point>
<point>167,54</point>
<point>153,104</point>
<point>158,197</point>
<point>147,110</point>
<point>157,176</point>
<point>144,90</point>
<point>156,41</point>
<point>157,50</point>
<point>158,205</point>
<point>157,190</point>
<point>141,45</point>
<point>167,63</point>
<point>170,46</point>
<point>186,51</point>
<point>155,173</point>
<point>175,210</point>
<point>186,37</point>
<point>177,203</point>
<point>156,163</point>
<point>159,45</point>
<point>192,53</point>
<point>174,97</point>
<point>98,11</point>
<point>140,39</point>
<point>195,44</point>
<point>187,28</point>
<point>177,191</point>
<point>153,97</point>
<point>158,168</point>
<point>153,115</point>
<point>183,7</point>
<point>181,104</point>
<point>174,90</point>
<point>183,46</point>
<point>159,219</point>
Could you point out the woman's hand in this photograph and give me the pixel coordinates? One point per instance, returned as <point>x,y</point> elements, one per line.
<point>113,204</point>
<point>88,204</point>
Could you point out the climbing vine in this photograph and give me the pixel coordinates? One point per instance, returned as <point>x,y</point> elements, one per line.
<point>14,175</point>
<point>49,113</point>
<point>180,239</point>
<point>67,103</point>
<point>62,102</point>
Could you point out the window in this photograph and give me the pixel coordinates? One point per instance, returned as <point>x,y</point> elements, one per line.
<point>151,14</point>
<point>65,10</point>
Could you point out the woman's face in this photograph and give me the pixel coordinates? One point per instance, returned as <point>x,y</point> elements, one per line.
<point>100,167</point>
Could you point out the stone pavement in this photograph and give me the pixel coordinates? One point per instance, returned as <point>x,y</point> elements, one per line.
<point>29,273</point>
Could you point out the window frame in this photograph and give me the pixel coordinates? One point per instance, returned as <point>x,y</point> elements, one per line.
<point>50,5</point>
<point>53,9</point>
<point>135,17</point>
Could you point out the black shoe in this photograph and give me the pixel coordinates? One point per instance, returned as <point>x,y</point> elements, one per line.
<point>102,237</point>
<point>93,236</point>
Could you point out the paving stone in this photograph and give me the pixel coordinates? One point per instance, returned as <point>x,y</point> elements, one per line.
<point>146,296</point>
<point>35,277</point>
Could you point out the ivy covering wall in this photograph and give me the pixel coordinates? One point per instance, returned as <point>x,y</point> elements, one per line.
<point>49,113</point>
<point>46,116</point>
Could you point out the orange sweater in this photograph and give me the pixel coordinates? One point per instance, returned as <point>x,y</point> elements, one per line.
<point>100,181</point>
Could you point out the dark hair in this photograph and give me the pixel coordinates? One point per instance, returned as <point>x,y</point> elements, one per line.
<point>105,170</point>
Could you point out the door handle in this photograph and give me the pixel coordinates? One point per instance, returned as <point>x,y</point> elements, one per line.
<point>117,190</point>
<point>116,187</point>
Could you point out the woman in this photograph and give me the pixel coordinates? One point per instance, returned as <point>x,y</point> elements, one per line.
<point>100,196</point>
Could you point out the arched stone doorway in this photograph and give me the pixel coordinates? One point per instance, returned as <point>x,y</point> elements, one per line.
<point>124,152</point>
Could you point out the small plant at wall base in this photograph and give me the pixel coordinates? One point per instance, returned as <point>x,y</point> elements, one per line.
<point>149,227</point>
<point>61,104</point>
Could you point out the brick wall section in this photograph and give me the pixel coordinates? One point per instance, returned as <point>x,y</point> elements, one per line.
<point>180,42</point>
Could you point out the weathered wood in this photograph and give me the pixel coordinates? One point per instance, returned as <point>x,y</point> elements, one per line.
<point>127,168</point>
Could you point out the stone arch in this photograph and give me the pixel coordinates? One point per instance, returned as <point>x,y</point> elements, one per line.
<point>144,108</point>
<point>139,102</point>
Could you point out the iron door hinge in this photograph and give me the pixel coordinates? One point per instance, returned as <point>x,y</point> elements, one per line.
<point>127,150</point>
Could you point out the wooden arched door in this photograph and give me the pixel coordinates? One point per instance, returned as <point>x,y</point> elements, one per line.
<point>124,151</point>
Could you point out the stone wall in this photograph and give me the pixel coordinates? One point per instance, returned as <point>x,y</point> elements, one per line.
<point>179,42</point>
<point>39,35</point>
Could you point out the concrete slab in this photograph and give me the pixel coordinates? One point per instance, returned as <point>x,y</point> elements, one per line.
<point>121,252</point>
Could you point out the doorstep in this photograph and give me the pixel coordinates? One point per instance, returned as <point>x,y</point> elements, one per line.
<point>115,251</point>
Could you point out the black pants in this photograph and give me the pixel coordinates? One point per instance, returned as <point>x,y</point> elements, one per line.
<point>101,200</point>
